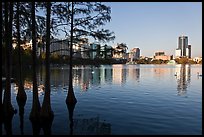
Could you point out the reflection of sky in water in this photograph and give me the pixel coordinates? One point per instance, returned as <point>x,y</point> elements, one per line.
<point>86,77</point>
<point>133,99</point>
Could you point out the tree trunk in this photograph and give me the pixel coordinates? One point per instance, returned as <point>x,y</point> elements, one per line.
<point>46,111</point>
<point>35,111</point>
<point>71,97</point>
<point>8,109</point>
<point>1,110</point>
<point>21,95</point>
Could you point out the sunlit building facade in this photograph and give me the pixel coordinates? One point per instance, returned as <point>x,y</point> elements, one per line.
<point>134,54</point>
<point>184,49</point>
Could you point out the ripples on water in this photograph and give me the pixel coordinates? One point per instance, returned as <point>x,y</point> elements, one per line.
<point>121,99</point>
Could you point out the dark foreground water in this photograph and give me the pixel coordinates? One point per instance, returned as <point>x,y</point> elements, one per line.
<point>120,99</point>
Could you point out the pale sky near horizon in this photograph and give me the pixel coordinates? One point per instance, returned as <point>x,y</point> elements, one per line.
<point>156,26</point>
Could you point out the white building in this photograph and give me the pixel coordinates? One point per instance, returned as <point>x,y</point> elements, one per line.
<point>178,53</point>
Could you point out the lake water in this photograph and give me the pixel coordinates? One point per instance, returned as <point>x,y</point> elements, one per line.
<point>120,100</point>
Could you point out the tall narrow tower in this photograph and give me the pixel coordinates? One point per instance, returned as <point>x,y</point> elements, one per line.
<point>183,44</point>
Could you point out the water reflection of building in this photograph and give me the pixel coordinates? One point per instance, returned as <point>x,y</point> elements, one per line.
<point>91,126</point>
<point>59,76</point>
<point>160,71</point>
<point>183,76</point>
<point>119,74</point>
<point>85,78</point>
<point>108,75</point>
<point>96,78</point>
<point>28,86</point>
<point>133,73</point>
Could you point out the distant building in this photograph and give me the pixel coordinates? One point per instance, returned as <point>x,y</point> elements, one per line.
<point>178,53</point>
<point>82,47</point>
<point>59,47</point>
<point>107,51</point>
<point>161,55</point>
<point>183,50</point>
<point>134,54</point>
<point>93,50</point>
<point>188,51</point>
<point>120,51</point>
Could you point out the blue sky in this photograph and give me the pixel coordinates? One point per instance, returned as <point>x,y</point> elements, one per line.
<point>156,26</point>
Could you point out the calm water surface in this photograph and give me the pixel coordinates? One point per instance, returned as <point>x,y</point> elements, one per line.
<point>120,99</point>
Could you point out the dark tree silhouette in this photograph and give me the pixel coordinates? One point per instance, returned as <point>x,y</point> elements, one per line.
<point>71,97</point>
<point>8,110</point>
<point>21,95</point>
<point>35,111</point>
<point>47,114</point>
<point>1,116</point>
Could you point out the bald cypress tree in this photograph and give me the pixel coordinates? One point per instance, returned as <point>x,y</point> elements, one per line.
<point>8,110</point>
<point>46,113</point>
<point>35,111</point>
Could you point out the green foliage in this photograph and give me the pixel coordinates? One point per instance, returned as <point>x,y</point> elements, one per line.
<point>184,60</point>
<point>159,61</point>
<point>89,17</point>
<point>200,62</point>
<point>142,61</point>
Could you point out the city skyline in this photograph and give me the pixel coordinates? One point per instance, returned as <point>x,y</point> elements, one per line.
<point>155,26</point>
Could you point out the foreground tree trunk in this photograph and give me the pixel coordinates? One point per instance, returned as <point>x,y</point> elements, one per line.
<point>71,97</point>
<point>21,95</point>
<point>46,113</point>
<point>71,100</point>
<point>35,111</point>
<point>1,110</point>
<point>8,110</point>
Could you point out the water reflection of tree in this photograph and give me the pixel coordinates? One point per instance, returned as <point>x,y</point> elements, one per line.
<point>91,126</point>
<point>21,100</point>
<point>183,79</point>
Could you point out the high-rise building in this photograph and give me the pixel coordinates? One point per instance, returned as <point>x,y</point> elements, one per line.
<point>134,54</point>
<point>188,51</point>
<point>183,50</point>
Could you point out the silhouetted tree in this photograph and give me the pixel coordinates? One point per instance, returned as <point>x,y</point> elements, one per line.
<point>71,97</point>
<point>8,110</point>
<point>35,111</point>
<point>47,114</point>
<point>1,110</point>
<point>21,95</point>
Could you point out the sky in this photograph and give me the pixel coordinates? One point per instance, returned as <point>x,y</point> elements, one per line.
<point>156,26</point>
